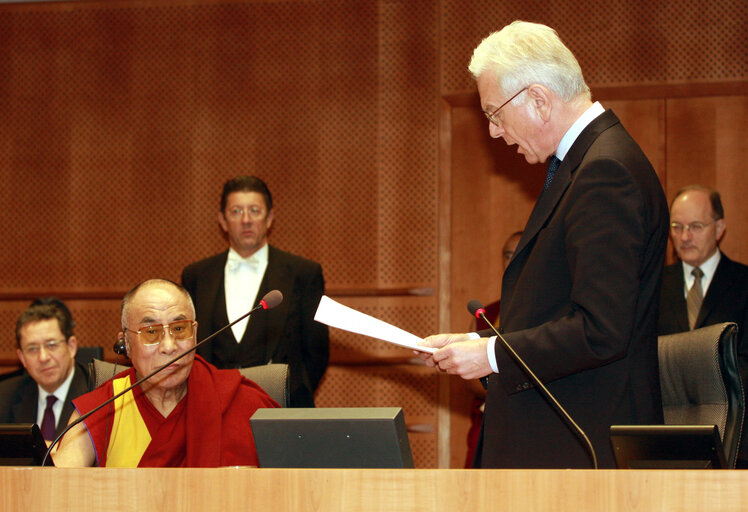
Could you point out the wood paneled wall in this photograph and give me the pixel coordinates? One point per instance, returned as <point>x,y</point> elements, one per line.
<point>119,121</point>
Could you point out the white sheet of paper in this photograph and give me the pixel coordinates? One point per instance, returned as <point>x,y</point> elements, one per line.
<point>337,315</point>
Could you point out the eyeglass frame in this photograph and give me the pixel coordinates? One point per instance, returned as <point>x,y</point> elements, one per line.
<point>162,336</point>
<point>492,116</point>
<point>51,346</point>
<point>237,212</point>
<point>694,228</point>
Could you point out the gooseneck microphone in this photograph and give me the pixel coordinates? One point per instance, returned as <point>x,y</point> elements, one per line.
<point>478,311</point>
<point>269,301</point>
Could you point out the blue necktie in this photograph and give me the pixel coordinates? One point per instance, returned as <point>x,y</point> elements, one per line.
<point>553,164</point>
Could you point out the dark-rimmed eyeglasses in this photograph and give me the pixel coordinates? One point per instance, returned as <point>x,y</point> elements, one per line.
<point>151,335</point>
<point>492,116</point>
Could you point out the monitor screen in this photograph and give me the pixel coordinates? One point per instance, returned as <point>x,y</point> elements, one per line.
<point>356,437</point>
<point>22,444</point>
<point>667,447</point>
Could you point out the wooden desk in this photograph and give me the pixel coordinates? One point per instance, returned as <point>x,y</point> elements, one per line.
<point>346,490</point>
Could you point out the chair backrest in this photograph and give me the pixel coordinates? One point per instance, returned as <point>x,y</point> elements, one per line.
<point>273,378</point>
<point>701,384</point>
<point>84,355</point>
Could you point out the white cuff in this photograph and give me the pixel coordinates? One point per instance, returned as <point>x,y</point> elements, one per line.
<point>490,350</point>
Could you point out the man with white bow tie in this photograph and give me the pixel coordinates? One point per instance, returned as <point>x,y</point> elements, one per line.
<point>227,285</point>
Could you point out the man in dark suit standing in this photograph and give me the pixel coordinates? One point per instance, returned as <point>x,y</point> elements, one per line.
<point>44,393</point>
<point>705,287</point>
<point>227,285</point>
<point>579,298</point>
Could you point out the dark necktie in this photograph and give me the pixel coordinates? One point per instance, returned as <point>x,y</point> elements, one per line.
<point>553,164</point>
<point>48,423</point>
<point>694,298</point>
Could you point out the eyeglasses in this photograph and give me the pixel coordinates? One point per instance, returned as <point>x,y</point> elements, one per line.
<point>694,227</point>
<point>492,116</point>
<point>51,346</point>
<point>151,335</point>
<point>237,212</point>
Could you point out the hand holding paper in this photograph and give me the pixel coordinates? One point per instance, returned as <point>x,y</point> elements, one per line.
<point>337,315</point>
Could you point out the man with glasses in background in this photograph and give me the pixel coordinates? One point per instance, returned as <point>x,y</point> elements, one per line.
<point>227,285</point>
<point>46,349</point>
<point>705,287</point>
<point>191,414</point>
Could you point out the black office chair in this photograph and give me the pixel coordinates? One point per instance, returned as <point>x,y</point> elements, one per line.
<point>85,355</point>
<point>273,378</point>
<point>701,384</point>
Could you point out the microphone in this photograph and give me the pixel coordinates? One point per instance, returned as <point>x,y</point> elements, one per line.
<point>478,311</point>
<point>269,301</point>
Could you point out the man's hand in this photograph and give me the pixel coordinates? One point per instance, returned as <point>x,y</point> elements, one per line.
<point>458,355</point>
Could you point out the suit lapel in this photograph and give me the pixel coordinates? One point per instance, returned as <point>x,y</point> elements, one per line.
<point>717,289</point>
<point>279,277</point>
<point>549,199</point>
<point>78,386</point>
<point>213,280</point>
<point>24,411</point>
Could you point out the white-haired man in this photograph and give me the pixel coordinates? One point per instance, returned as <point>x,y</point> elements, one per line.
<point>579,298</point>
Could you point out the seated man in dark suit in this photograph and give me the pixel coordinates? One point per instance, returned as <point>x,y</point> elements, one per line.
<point>46,348</point>
<point>720,292</point>
<point>227,285</point>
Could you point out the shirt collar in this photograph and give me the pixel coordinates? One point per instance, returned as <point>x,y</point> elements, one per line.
<point>580,124</point>
<point>259,259</point>
<point>709,267</point>
<point>61,392</point>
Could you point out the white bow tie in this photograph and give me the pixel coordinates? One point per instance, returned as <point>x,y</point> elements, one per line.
<point>237,263</point>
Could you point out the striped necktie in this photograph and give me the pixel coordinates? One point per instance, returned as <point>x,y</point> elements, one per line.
<point>694,298</point>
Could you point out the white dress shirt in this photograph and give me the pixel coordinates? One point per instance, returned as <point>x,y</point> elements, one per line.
<point>61,393</point>
<point>242,279</point>
<point>709,267</point>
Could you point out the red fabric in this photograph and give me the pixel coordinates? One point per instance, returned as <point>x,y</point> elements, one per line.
<point>208,428</point>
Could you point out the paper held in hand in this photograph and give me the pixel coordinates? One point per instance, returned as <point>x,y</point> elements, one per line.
<point>337,315</point>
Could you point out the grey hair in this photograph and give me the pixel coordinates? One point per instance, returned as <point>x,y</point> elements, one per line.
<point>522,54</point>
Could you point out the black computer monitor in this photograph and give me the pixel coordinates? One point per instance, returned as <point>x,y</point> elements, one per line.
<point>667,447</point>
<point>356,437</point>
<point>22,444</point>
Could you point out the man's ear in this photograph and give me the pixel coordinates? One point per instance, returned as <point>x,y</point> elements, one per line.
<point>270,218</point>
<point>222,222</point>
<point>21,358</point>
<point>720,226</point>
<point>72,346</point>
<point>540,99</point>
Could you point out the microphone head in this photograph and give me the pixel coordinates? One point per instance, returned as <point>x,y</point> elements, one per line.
<point>271,299</point>
<point>476,308</point>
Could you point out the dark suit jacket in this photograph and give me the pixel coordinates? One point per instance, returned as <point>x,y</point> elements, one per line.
<point>726,300</point>
<point>290,334</point>
<point>579,304</point>
<point>19,397</point>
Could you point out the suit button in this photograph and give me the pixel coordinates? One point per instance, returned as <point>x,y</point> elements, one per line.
<point>519,387</point>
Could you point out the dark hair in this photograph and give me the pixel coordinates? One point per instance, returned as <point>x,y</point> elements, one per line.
<point>714,199</point>
<point>46,308</point>
<point>246,184</point>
